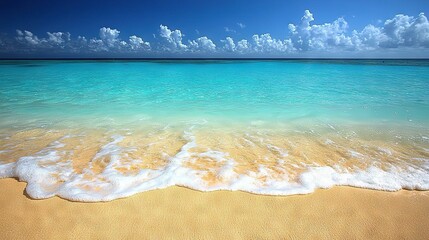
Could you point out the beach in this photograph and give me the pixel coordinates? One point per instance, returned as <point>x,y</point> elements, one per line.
<point>214,149</point>
<point>277,120</point>
<point>181,213</point>
<point>95,131</point>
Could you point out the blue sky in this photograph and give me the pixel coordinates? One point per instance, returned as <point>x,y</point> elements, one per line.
<point>390,28</point>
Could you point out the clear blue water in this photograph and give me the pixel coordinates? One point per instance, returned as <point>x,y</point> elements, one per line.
<point>102,130</point>
<point>63,92</point>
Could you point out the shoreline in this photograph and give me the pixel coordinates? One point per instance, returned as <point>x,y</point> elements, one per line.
<point>177,212</point>
<point>102,167</point>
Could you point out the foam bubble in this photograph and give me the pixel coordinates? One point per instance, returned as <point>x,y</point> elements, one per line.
<point>385,150</point>
<point>42,172</point>
<point>283,153</point>
<point>355,154</point>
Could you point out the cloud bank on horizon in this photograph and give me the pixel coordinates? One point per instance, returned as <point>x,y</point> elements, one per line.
<point>398,34</point>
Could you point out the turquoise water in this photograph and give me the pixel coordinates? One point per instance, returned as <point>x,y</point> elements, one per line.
<point>102,130</point>
<point>62,92</point>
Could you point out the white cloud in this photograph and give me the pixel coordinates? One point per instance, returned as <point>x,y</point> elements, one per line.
<point>173,38</point>
<point>227,29</point>
<point>138,43</point>
<point>97,45</point>
<point>58,37</point>
<point>82,39</point>
<point>109,36</point>
<point>109,41</point>
<point>327,36</point>
<point>28,37</point>
<point>266,44</point>
<point>173,42</point>
<point>202,44</point>
<point>369,38</point>
<point>229,44</point>
<point>242,46</point>
<point>402,34</point>
<point>405,30</point>
<point>54,40</point>
<point>241,25</point>
<point>400,31</point>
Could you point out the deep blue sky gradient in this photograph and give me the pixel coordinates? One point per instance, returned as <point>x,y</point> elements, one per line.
<point>143,18</point>
<point>203,28</point>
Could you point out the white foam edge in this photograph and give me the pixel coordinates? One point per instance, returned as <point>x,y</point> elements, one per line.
<point>42,183</point>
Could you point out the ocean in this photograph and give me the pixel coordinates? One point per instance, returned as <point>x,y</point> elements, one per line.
<point>98,130</point>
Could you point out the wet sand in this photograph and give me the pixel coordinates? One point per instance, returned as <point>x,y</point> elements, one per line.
<point>216,159</point>
<point>180,213</point>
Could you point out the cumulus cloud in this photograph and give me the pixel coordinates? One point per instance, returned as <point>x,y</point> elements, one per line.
<point>172,38</point>
<point>369,38</point>
<point>109,36</point>
<point>173,42</point>
<point>82,39</point>
<point>227,29</point>
<point>138,43</point>
<point>229,44</point>
<point>306,36</point>
<point>265,43</point>
<point>58,37</point>
<point>202,44</point>
<point>400,33</point>
<point>403,30</point>
<point>97,45</point>
<point>108,41</point>
<point>406,30</point>
<point>242,45</point>
<point>27,37</point>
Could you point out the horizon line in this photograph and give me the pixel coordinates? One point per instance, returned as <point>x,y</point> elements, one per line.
<point>193,58</point>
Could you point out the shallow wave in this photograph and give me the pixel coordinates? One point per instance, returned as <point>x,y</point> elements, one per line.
<point>51,172</point>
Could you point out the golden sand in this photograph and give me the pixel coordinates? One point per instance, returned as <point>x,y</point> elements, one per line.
<point>180,213</point>
<point>249,151</point>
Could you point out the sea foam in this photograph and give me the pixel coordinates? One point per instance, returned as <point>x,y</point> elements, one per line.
<point>48,174</point>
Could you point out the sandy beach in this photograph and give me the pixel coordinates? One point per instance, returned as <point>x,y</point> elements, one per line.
<point>275,120</point>
<point>180,213</point>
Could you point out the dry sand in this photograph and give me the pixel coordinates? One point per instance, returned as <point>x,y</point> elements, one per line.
<point>180,213</point>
